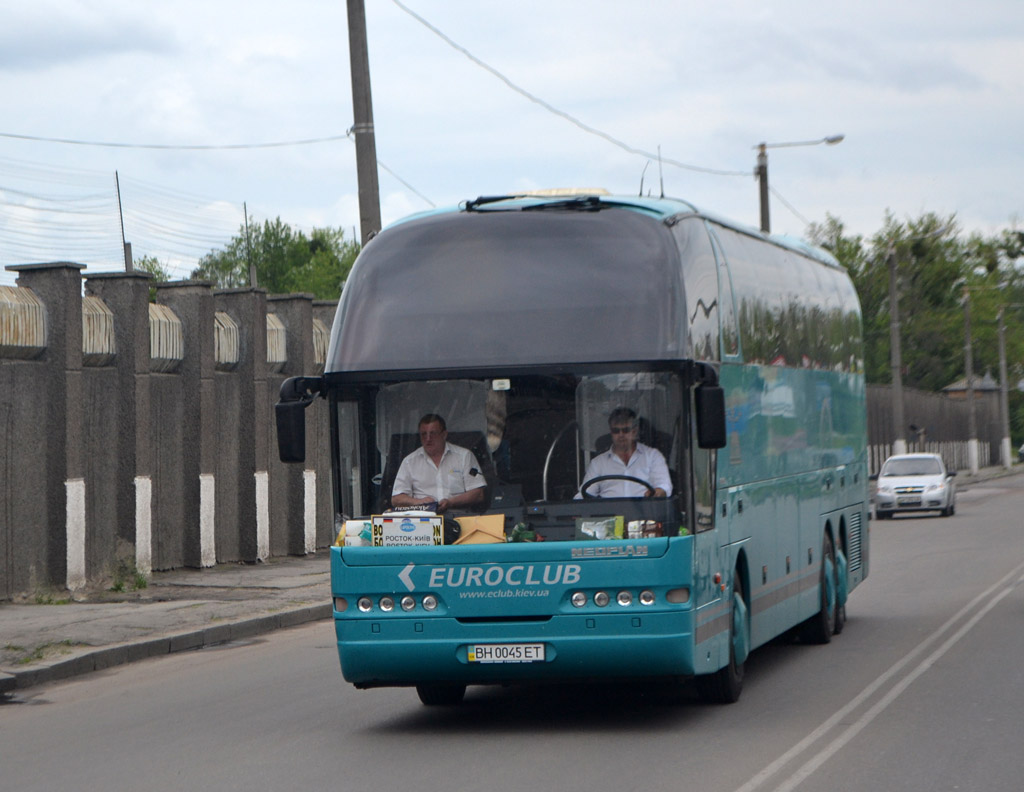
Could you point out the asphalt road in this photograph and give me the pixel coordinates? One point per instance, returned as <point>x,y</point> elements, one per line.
<point>924,690</point>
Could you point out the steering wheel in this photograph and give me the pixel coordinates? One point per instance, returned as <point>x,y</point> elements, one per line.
<point>614,477</point>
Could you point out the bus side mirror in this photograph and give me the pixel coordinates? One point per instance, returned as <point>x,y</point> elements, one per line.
<point>710,403</point>
<point>297,393</point>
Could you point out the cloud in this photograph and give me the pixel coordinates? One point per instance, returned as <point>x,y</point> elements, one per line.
<point>40,35</point>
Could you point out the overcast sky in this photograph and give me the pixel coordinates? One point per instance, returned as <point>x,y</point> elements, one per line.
<point>929,94</point>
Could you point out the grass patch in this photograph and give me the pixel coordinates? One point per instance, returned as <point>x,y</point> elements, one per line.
<point>127,577</point>
<point>41,652</point>
<point>47,598</point>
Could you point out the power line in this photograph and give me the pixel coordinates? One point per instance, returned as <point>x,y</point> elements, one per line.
<point>561,113</point>
<point>175,146</point>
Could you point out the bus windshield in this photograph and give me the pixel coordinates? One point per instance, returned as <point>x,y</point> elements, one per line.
<point>534,439</point>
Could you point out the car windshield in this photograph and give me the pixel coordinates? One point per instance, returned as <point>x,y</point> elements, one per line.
<point>912,467</point>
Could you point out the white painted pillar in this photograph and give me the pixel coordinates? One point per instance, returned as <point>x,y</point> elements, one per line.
<point>262,515</point>
<point>207,519</point>
<point>144,524</point>
<point>972,455</point>
<point>309,511</point>
<point>75,526</point>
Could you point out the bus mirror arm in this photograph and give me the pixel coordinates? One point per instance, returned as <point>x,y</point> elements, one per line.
<point>704,374</point>
<point>297,393</point>
<point>302,389</point>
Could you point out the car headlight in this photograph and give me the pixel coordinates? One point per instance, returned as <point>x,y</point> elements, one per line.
<point>885,489</point>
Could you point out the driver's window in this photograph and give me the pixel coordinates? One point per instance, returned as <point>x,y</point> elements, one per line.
<point>650,401</point>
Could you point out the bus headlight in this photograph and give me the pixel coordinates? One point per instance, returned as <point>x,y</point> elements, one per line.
<point>601,599</point>
<point>430,602</point>
<point>578,598</point>
<point>624,598</point>
<point>408,603</point>
<point>365,604</point>
<point>646,597</point>
<point>387,604</point>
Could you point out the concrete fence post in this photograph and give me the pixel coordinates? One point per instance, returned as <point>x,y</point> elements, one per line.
<point>59,286</point>
<point>250,400</point>
<point>193,303</point>
<point>127,296</point>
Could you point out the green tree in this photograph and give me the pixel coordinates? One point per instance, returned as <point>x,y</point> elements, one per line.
<point>154,267</point>
<point>930,261</point>
<point>285,261</point>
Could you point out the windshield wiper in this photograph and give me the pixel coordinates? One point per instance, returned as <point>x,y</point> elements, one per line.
<point>586,203</point>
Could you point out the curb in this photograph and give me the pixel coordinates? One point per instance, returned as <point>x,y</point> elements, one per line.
<point>120,654</point>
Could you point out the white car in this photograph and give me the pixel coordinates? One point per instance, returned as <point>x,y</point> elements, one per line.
<point>914,482</point>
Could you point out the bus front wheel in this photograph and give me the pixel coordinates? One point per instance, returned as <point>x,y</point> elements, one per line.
<point>725,685</point>
<point>438,694</point>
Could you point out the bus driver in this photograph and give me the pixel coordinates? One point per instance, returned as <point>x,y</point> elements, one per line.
<point>438,472</point>
<point>627,457</point>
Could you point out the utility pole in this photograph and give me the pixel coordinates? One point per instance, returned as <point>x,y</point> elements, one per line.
<point>1004,404</point>
<point>972,424</point>
<point>761,171</point>
<point>362,114</point>
<point>899,443</point>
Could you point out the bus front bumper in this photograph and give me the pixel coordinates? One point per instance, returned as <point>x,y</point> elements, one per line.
<point>394,652</point>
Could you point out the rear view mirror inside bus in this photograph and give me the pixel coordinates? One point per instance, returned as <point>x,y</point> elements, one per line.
<point>710,403</point>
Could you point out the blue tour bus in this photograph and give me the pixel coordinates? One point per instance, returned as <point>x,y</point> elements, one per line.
<point>525,321</point>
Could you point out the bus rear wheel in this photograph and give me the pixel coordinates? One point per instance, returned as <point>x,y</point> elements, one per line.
<point>440,694</point>
<point>725,685</point>
<point>822,625</point>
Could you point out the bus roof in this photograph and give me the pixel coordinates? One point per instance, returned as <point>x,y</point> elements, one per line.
<point>661,207</point>
<point>536,280</point>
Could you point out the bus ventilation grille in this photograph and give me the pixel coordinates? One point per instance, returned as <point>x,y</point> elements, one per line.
<point>853,555</point>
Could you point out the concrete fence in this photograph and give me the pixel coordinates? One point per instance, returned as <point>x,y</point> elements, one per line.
<point>141,434</point>
<point>936,423</point>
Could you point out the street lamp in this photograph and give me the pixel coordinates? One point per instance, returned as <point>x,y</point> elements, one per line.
<point>761,171</point>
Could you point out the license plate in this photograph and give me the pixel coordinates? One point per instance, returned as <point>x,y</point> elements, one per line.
<point>910,501</point>
<point>506,653</point>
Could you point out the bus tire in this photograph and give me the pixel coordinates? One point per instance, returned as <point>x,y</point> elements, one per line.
<point>820,627</point>
<point>441,694</point>
<point>725,685</point>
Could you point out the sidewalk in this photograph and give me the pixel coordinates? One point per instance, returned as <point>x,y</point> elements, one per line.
<point>42,640</point>
<point>45,641</point>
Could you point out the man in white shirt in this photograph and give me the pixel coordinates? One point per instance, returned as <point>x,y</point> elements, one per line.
<point>627,457</point>
<point>438,472</point>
